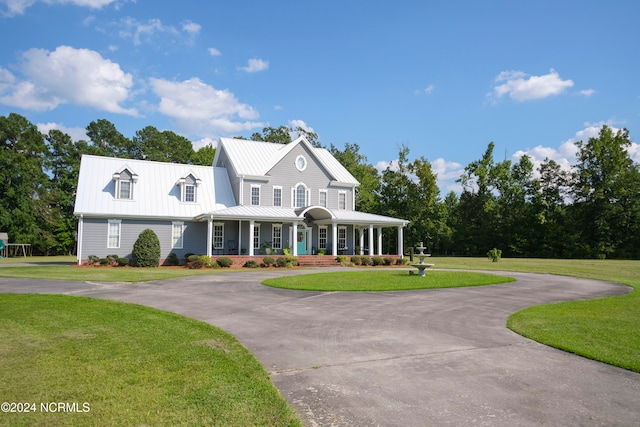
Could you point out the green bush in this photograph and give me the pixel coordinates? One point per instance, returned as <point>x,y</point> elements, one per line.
<point>251,264</point>
<point>401,261</point>
<point>172,259</point>
<point>193,257</point>
<point>122,262</point>
<point>224,262</point>
<point>342,259</point>
<point>197,264</point>
<point>376,260</point>
<point>268,261</point>
<point>366,260</point>
<point>388,260</point>
<point>93,259</point>
<point>286,261</point>
<point>146,250</point>
<point>494,254</point>
<point>104,261</point>
<point>356,260</point>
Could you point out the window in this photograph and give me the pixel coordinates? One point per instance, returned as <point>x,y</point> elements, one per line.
<point>300,196</point>
<point>255,195</point>
<point>323,198</point>
<point>113,233</point>
<point>188,188</point>
<point>177,234</point>
<point>218,235</point>
<point>322,237</point>
<point>342,200</point>
<point>276,241</point>
<point>124,184</point>
<point>301,163</point>
<point>342,237</point>
<point>256,236</point>
<point>277,196</point>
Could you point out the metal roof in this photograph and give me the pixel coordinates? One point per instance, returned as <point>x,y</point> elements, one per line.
<point>155,192</point>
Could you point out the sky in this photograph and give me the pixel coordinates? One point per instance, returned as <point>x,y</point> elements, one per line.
<point>444,78</point>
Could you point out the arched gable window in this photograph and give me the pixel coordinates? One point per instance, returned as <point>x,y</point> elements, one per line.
<point>300,195</point>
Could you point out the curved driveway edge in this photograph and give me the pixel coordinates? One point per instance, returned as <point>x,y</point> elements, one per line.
<point>404,358</point>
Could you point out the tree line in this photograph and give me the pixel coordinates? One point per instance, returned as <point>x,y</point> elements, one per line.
<point>590,211</point>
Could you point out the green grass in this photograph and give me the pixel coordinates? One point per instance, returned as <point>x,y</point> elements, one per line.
<point>133,365</point>
<point>370,280</point>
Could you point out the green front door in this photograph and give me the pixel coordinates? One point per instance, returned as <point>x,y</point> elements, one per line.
<point>301,240</point>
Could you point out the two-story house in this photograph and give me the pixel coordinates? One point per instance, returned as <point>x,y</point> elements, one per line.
<point>257,197</point>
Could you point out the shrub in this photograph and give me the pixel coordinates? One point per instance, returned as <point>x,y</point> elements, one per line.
<point>268,261</point>
<point>104,261</point>
<point>366,260</point>
<point>193,257</point>
<point>321,252</point>
<point>197,264</point>
<point>388,260</point>
<point>224,262</point>
<point>251,264</point>
<point>342,259</point>
<point>376,260</point>
<point>113,259</point>
<point>356,260</point>
<point>172,259</point>
<point>93,259</point>
<point>146,250</point>
<point>494,254</point>
<point>401,261</point>
<point>122,262</point>
<point>286,261</point>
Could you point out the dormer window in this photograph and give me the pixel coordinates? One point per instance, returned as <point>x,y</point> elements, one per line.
<point>125,180</point>
<point>188,188</point>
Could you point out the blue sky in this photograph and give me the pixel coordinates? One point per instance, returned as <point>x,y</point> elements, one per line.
<point>441,77</point>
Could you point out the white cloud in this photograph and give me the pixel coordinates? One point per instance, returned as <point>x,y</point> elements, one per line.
<point>18,7</point>
<point>214,52</point>
<point>75,133</point>
<point>191,27</point>
<point>141,32</point>
<point>521,87</point>
<point>198,108</point>
<point>426,91</point>
<point>587,92</point>
<point>203,142</point>
<point>67,75</point>
<point>255,65</point>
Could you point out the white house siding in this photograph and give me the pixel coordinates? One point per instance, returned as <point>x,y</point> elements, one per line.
<point>95,237</point>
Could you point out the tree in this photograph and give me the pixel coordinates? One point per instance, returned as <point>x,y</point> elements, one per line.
<point>146,249</point>
<point>204,156</point>
<point>366,174</point>
<point>605,190</point>
<point>166,146</point>
<point>281,135</point>
<point>108,141</point>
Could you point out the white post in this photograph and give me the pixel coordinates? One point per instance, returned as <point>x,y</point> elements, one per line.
<point>294,247</point>
<point>251,230</point>
<point>209,235</point>
<point>334,241</point>
<point>400,242</point>
<point>379,240</point>
<point>370,239</point>
<point>240,237</point>
<point>361,232</point>
<point>79,242</point>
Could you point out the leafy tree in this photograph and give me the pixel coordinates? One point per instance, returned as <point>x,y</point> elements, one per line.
<point>166,146</point>
<point>108,141</point>
<point>365,173</point>
<point>146,249</point>
<point>281,135</point>
<point>204,156</point>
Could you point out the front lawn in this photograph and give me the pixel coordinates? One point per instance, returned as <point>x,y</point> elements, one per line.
<point>123,364</point>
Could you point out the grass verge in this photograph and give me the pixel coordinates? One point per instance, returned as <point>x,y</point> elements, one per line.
<point>383,280</point>
<point>101,274</point>
<point>132,365</point>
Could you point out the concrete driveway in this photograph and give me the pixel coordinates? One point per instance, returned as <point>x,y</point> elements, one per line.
<point>410,358</point>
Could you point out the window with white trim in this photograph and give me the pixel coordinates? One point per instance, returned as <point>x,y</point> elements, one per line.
<point>342,237</point>
<point>300,196</point>
<point>218,235</point>
<point>189,188</point>
<point>322,237</point>
<point>124,184</point>
<point>342,200</point>
<point>277,196</point>
<point>276,236</point>
<point>189,193</point>
<point>177,234</point>
<point>255,195</point>
<point>256,236</point>
<point>113,233</point>
<point>322,199</point>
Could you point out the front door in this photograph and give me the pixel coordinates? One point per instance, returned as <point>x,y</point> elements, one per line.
<point>301,241</point>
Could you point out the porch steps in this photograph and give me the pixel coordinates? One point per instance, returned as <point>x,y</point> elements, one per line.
<point>317,261</point>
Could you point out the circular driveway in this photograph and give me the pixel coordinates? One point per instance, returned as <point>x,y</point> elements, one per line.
<point>405,358</point>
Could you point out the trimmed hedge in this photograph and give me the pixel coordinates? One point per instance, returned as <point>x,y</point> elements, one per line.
<point>146,250</point>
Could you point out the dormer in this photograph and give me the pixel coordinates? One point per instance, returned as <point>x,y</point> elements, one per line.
<point>125,180</point>
<point>189,188</point>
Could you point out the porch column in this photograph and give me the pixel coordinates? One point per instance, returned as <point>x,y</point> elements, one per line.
<point>370,239</point>
<point>251,229</point>
<point>294,247</point>
<point>361,232</point>
<point>379,240</point>
<point>209,235</point>
<point>239,237</point>
<point>334,239</point>
<point>400,242</point>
